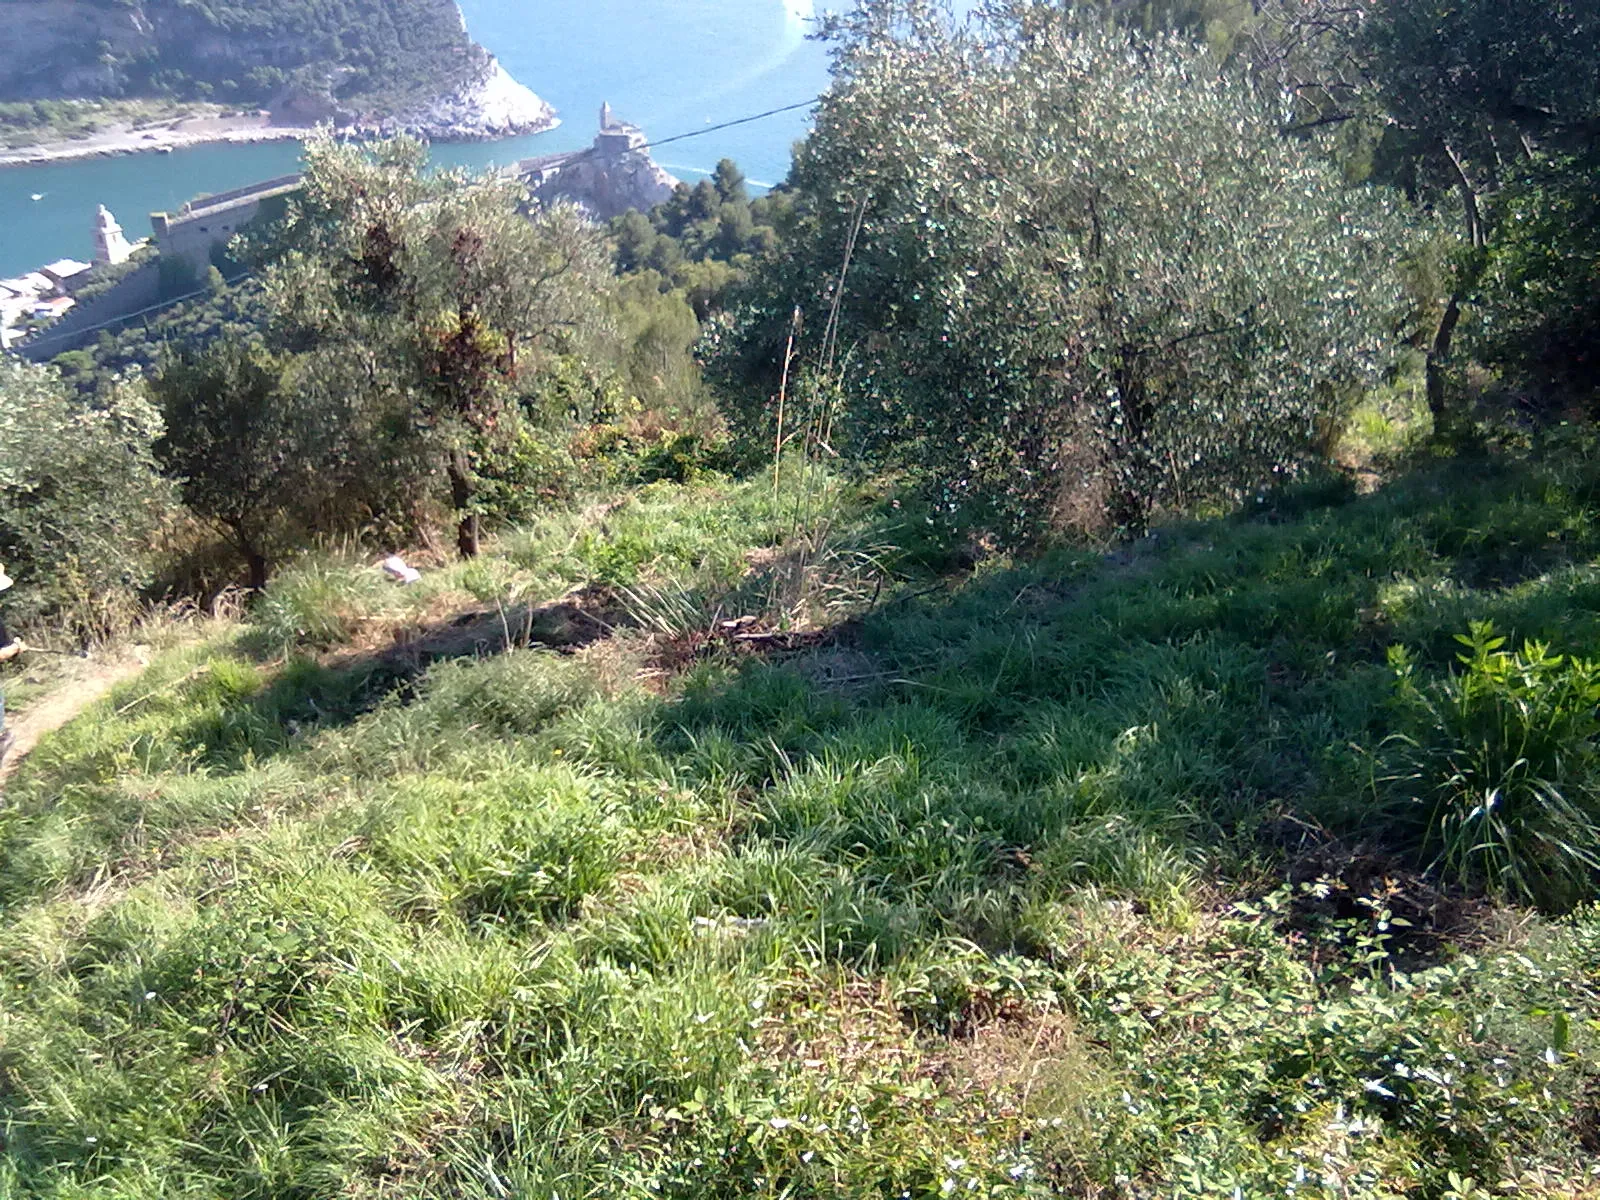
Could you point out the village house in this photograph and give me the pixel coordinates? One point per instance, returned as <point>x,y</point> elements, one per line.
<point>62,272</point>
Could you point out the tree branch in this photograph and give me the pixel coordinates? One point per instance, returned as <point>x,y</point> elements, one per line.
<point>1308,126</point>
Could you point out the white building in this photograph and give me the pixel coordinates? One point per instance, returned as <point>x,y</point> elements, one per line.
<point>63,270</point>
<point>17,300</point>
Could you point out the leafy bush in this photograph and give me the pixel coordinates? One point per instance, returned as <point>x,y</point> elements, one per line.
<point>438,301</point>
<point>1502,761</point>
<point>1345,1075</point>
<point>1541,290</point>
<point>252,453</point>
<point>701,239</point>
<point>80,498</point>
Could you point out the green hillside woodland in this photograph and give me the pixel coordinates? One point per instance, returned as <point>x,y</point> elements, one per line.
<point>1056,653</point>
<point>309,57</point>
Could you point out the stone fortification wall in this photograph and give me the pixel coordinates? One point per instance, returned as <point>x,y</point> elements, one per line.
<point>186,240</point>
<point>138,291</point>
<point>202,205</point>
<point>203,225</point>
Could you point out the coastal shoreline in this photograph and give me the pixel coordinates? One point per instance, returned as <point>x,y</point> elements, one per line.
<point>121,139</point>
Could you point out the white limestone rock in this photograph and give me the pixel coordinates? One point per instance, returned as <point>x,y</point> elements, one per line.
<point>493,106</point>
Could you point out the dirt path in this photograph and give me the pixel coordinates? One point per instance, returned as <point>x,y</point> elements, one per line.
<point>53,710</point>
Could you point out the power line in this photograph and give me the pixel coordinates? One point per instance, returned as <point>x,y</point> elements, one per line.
<point>47,337</point>
<point>590,151</point>
<point>771,112</point>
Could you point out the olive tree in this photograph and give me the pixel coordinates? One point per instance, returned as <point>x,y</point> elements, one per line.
<point>1065,273</point>
<point>80,497</point>
<point>258,448</point>
<point>1481,93</point>
<point>1462,101</point>
<point>1540,290</point>
<point>438,294</point>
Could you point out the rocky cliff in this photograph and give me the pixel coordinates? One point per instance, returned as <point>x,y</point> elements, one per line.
<point>385,64</point>
<point>491,106</point>
<point>48,50</point>
<point>606,184</point>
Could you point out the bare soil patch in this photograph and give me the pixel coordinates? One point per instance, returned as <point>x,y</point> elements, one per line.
<point>61,705</point>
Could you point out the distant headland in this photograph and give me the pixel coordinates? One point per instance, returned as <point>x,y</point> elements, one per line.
<point>82,80</point>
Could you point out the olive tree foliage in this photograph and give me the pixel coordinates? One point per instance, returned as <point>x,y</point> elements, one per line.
<point>261,449</point>
<point>438,298</point>
<point>1486,95</point>
<point>80,498</point>
<point>1083,275</point>
<point>1540,291</point>
<point>1476,87</point>
<point>654,348</point>
<point>1466,99</point>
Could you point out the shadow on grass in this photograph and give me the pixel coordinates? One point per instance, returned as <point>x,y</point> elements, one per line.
<point>1118,721</point>
<point>243,707</point>
<point>1023,761</point>
<point>265,713</point>
<point>310,695</point>
<point>1213,702</point>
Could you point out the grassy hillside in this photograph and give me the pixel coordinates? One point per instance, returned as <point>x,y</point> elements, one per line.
<point>1093,875</point>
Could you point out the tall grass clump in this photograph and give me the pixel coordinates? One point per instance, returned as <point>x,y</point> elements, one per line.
<point>1499,762</point>
<point>319,602</point>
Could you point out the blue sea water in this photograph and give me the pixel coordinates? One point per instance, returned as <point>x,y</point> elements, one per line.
<point>671,66</point>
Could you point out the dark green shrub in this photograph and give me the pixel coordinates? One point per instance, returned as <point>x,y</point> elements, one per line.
<point>1541,289</point>
<point>1500,763</point>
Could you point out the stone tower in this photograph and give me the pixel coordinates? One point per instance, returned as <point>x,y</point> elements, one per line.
<point>605,116</point>
<point>109,244</point>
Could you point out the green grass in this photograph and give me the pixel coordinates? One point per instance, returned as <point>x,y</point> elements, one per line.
<point>1077,876</point>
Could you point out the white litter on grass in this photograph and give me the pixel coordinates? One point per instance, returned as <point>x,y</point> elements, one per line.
<point>395,568</point>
